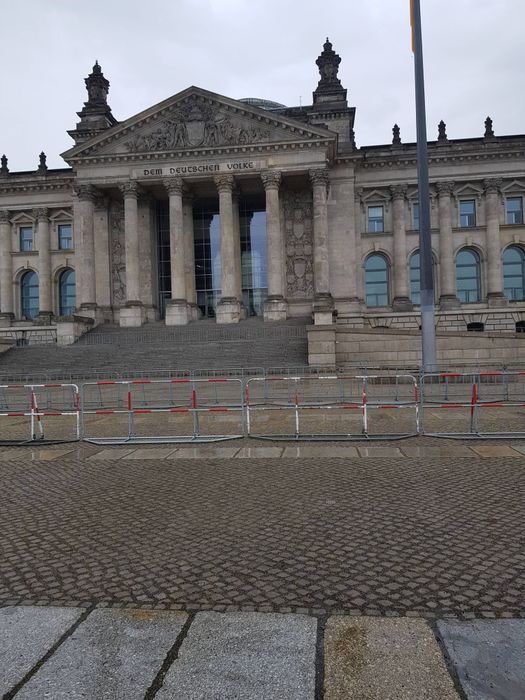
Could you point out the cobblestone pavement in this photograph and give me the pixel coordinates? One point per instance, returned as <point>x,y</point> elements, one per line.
<point>427,528</point>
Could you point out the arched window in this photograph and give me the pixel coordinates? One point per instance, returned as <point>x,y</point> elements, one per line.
<point>29,296</point>
<point>66,292</point>
<point>376,281</point>
<point>468,278</point>
<point>415,275</point>
<point>514,273</point>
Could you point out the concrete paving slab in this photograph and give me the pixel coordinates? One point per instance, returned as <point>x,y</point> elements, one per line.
<point>489,657</point>
<point>151,453</point>
<point>113,453</point>
<point>495,451</point>
<point>384,659</point>
<point>113,655</point>
<point>255,452</point>
<point>436,451</point>
<point>248,656</point>
<point>26,634</point>
<point>321,450</point>
<point>519,448</point>
<point>48,455</point>
<point>204,452</point>
<point>380,451</point>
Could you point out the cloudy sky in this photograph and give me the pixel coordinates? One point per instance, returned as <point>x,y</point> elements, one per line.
<point>152,49</point>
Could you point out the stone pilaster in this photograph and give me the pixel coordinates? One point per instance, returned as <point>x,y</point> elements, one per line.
<point>448,298</point>
<point>83,225</point>
<point>495,296</point>
<point>176,307</point>
<point>102,258</point>
<point>229,307</point>
<point>401,300</point>
<point>45,288</point>
<point>189,255</point>
<point>132,314</point>
<point>275,307</point>
<point>6,270</point>
<point>323,302</point>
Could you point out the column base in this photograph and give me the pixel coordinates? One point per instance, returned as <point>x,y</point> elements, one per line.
<point>44,318</point>
<point>275,309</point>
<point>177,312</point>
<point>448,301</point>
<point>402,304</point>
<point>6,319</point>
<point>132,315</point>
<point>194,312</point>
<point>228,310</point>
<point>323,309</point>
<point>497,299</point>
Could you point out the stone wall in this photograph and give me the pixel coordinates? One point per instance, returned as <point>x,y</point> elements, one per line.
<point>331,346</point>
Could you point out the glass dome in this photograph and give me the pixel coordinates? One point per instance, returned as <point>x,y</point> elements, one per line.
<point>262,104</point>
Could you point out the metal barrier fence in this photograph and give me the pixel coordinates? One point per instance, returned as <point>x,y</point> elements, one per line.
<point>162,410</point>
<point>332,407</point>
<point>473,404</point>
<point>41,412</point>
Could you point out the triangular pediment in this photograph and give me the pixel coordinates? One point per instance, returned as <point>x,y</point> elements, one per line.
<point>196,120</point>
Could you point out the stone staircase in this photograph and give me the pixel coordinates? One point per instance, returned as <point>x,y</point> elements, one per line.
<point>109,350</point>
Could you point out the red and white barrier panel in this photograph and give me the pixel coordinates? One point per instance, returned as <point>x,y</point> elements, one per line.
<point>327,394</point>
<point>182,397</point>
<point>36,402</point>
<point>468,393</point>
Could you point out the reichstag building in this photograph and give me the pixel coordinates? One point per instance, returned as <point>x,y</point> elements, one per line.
<point>208,206</point>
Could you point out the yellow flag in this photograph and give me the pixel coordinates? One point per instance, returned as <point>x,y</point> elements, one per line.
<point>412,23</point>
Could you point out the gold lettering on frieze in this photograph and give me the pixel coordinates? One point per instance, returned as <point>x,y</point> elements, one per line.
<point>199,169</point>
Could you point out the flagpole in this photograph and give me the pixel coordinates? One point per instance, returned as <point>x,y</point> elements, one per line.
<point>428,327</point>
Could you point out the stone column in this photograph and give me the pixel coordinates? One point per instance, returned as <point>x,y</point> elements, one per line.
<point>45,287</point>
<point>6,270</point>
<point>132,314</point>
<point>448,298</point>
<point>102,257</point>
<point>229,307</point>
<point>401,300</point>
<point>495,296</point>
<point>275,307</point>
<point>83,226</point>
<point>176,307</point>
<point>323,302</point>
<point>189,256</point>
<point>237,246</point>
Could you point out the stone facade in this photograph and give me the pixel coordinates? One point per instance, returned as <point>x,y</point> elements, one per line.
<point>340,224</point>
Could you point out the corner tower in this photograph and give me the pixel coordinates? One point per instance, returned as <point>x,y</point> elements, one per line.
<point>96,114</point>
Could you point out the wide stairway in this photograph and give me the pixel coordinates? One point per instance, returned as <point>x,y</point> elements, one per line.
<point>111,351</point>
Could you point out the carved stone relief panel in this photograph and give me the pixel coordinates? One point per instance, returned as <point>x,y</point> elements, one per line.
<point>298,223</point>
<point>196,124</point>
<point>118,254</point>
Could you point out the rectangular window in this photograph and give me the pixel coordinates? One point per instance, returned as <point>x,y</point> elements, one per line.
<point>415,216</point>
<point>467,213</point>
<point>514,210</point>
<point>26,238</point>
<point>376,220</point>
<point>65,237</point>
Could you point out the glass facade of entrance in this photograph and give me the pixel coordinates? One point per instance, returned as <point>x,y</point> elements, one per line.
<point>207,237</point>
<point>254,267</point>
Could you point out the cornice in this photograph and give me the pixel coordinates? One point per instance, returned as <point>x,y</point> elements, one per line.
<point>203,152</point>
<point>38,186</point>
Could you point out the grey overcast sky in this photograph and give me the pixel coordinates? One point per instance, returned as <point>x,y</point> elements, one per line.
<point>151,49</point>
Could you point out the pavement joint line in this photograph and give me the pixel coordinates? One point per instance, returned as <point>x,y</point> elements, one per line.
<point>451,668</point>
<point>49,653</point>
<point>319,658</point>
<point>170,658</point>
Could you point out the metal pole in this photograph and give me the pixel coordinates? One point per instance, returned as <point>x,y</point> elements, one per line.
<point>428,328</point>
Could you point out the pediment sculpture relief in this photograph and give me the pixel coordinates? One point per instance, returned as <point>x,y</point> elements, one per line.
<point>196,125</point>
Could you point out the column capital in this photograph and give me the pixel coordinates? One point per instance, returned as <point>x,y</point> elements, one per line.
<point>41,214</point>
<point>130,189</point>
<point>319,177</point>
<point>492,185</point>
<point>174,185</point>
<point>85,193</point>
<point>4,216</point>
<point>224,183</point>
<point>271,179</point>
<point>398,191</point>
<point>445,188</point>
